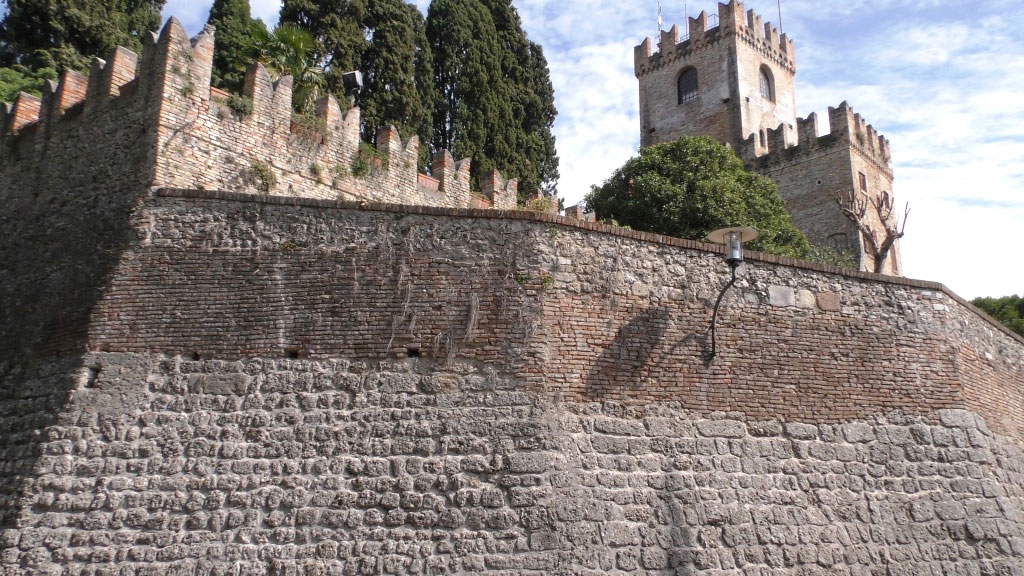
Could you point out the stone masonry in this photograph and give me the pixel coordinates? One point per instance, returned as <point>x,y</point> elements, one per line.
<point>729,59</point>
<point>200,382</point>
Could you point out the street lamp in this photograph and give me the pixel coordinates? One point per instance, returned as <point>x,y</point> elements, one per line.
<point>732,239</point>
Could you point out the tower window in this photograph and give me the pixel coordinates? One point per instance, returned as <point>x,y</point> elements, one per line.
<point>687,85</point>
<point>863,181</point>
<point>767,84</point>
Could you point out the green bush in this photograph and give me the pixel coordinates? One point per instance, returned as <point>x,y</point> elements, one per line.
<point>692,186</point>
<point>263,174</point>
<point>1009,310</point>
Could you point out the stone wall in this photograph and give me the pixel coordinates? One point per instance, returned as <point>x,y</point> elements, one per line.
<point>164,465</point>
<point>292,386</point>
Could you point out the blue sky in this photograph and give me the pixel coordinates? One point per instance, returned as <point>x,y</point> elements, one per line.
<point>943,79</point>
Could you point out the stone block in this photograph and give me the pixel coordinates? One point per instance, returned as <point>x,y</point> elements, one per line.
<point>805,299</point>
<point>722,428</point>
<point>958,418</point>
<point>530,462</point>
<point>219,384</point>
<point>782,296</point>
<point>618,534</point>
<point>802,431</point>
<point>858,432</point>
<point>829,301</point>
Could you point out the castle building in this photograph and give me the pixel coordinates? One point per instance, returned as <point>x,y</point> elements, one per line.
<point>731,76</point>
<point>230,344</point>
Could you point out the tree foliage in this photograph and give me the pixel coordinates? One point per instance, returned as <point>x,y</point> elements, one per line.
<point>338,30</point>
<point>18,78</point>
<point>237,34</point>
<point>287,51</point>
<point>495,103</point>
<point>692,186</point>
<point>1009,310</point>
<point>62,34</point>
<point>398,71</point>
<point>386,40</point>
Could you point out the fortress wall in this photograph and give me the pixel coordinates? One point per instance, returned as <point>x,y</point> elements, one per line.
<point>69,177</point>
<point>556,417</point>
<point>586,315</point>
<point>808,182</point>
<point>206,141</point>
<point>162,465</point>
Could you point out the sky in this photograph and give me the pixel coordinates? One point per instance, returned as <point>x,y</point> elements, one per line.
<point>942,79</point>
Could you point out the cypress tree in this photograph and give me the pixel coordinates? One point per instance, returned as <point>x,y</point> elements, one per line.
<point>498,103</point>
<point>386,40</point>
<point>61,34</point>
<point>398,71</point>
<point>337,27</point>
<point>473,116</point>
<point>235,42</point>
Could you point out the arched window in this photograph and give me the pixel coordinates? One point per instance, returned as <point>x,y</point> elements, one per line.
<point>767,84</point>
<point>687,85</point>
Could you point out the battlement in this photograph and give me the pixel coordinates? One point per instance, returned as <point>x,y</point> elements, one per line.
<point>845,127</point>
<point>209,139</point>
<point>705,29</point>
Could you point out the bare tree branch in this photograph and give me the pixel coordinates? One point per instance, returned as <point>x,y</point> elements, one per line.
<point>877,243</point>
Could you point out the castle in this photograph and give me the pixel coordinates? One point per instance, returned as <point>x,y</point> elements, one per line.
<point>216,359</point>
<point>731,77</point>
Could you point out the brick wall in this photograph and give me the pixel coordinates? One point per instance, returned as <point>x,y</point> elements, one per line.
<point>200,137</point>
<point>591,316</point>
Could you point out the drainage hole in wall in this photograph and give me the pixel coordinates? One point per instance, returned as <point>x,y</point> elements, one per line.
<point>293,353</point>
<point>412,351</point>
<point>92,373</point>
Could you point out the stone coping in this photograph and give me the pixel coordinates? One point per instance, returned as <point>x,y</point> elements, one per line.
<point>540,217</point>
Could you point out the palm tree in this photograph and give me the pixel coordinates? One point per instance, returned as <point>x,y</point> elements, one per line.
<point>288,51</point>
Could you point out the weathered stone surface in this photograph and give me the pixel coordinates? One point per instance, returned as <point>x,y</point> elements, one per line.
<point>781,296</point>
<point>310,456</point>
<point>829,301</point>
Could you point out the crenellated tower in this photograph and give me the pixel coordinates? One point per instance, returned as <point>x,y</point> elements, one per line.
<point>731,76</point>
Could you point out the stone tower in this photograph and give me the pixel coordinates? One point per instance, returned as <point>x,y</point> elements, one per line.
<point>732,77</point>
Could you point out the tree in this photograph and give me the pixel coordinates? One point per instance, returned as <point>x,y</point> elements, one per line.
<point>878,239</point>
<point>398,71</point>
<point>337,30</point>
<point>62,34</point>
<point>386,40</point>
<point>692,186</point>
<point>495,103</point>
<point>1009,310</point>
<point>236,42</point>
<point>287,51</point>
<point>535,161</point>
<point>18,78</point>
